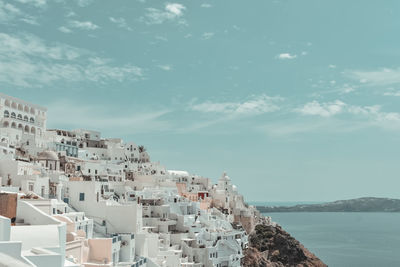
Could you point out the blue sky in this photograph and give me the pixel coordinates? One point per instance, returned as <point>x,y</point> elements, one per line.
<point>296,100</point>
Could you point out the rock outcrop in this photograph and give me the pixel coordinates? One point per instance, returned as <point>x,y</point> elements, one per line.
<point>271,246</point>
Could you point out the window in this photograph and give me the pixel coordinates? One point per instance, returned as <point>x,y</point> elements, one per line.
<point>81,196</point>
<point>6,114</point>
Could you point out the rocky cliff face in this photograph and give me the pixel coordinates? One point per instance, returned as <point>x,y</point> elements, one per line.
<point>271,246</point>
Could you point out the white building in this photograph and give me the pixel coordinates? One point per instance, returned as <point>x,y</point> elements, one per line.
<point>84,200</point>
<point>22,122</point>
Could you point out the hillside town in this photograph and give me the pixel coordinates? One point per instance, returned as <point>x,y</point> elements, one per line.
<point>75,198</point>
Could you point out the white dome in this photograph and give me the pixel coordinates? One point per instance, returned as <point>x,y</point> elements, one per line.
<point>48,155</point>
<point>225,177</point>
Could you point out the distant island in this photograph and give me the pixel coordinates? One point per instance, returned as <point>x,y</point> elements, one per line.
<point>365,204</point>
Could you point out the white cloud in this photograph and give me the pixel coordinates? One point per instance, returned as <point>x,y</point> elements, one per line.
<point>37,3</point>
<point>374,114</point>
<point>322,109</point>
<point>27,61</point>
<point>331,66</point>
<point>356,118</point>
<point>84,3</point>
<point>165,67</point>
<point>10,13</point>
<point>208,35</point>
<point>123,121</point>
<point>346,90</point>
<point>205,5</point>
<point>120,22</point>
<point>392,93</point>
<point>171,12</point>
<point>254,106</point>
<point>64,29</point>
<point>286,56</point>
<point>380,77</point>
<point>175,8</point>
<point>84,25</point>
<point>70,14</point>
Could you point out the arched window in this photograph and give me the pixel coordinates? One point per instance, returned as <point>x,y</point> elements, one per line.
<point>25,118</point>
<point>7,103</point>
<point>32,120</point>
<point>26,108</point>
<point>20,107</point>
<point>33,130</point>
<point>13,125</point>
<point>32,111</point>
<point>14,105</point>
<point>26,129</point>
<point>20,126</point>
<point>19,117</point>
<point>6,124</point>
<point>13,115</point>
<point>6,114</point>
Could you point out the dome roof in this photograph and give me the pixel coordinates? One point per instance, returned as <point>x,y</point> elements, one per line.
<point>225,177</point>
<point>48,155</point>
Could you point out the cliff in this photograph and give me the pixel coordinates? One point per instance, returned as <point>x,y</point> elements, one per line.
<point>271,246</point>
<point>365,204</point>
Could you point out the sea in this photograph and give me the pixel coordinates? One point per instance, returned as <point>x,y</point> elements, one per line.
<point>345,239</point>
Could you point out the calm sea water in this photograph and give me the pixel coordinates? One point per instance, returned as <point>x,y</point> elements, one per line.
<point>346,238</point>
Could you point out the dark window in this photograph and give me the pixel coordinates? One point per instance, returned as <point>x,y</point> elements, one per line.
<point>81,196</point>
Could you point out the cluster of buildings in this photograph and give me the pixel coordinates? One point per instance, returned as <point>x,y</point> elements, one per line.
<point>74,198</point>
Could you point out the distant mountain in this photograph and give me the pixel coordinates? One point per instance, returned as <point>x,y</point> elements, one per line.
<point>365,204</point>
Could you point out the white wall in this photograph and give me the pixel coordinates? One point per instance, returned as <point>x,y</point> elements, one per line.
<point>5,228</point>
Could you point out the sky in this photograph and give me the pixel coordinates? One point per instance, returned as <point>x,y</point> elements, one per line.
<point>295,100</point>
